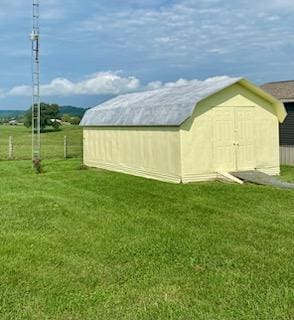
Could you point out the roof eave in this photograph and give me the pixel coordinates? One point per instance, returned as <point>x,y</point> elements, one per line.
<point>129,125</point>
<point>279,106</point>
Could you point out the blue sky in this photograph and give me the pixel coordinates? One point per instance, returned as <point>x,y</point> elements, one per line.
<point>92,50</point>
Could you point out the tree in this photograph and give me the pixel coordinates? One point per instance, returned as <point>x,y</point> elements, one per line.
<point>75,120</point>
<point>66,117</point>
<point>49,114</point>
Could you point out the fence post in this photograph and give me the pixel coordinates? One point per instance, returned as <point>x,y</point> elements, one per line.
<point>65,147</point>
<point>10,148</point>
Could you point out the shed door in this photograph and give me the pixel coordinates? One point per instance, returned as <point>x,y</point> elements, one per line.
<point>224,150</point>
<point>245,134</point>
<point>233,137</point>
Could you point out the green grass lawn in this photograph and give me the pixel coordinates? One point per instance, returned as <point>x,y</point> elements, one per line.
<point>52,142</point>
<point>92,244</point>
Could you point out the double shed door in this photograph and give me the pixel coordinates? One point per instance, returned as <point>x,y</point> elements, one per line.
<point>234,139</point>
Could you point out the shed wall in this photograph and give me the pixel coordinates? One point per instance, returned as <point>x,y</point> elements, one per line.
<point>144,151</point>
<point>198,140</point>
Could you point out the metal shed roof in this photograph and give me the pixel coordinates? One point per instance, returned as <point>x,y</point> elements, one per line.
<point>169,106</point>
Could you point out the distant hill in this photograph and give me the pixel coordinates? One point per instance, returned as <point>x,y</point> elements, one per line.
<point>72,111</point>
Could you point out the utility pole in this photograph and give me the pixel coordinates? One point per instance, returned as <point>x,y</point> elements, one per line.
<point>36,100</point>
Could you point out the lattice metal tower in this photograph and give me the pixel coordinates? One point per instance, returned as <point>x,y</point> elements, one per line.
<point>36,100</point>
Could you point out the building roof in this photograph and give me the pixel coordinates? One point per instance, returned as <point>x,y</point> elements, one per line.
<point>282,90</point>
<point>169,106</point>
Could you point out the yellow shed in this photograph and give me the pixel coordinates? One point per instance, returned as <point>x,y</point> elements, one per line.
<point>186,133</point>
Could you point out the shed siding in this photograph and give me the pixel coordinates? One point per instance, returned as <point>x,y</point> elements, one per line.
<point>287,128</point>
<point>143,151</point>
<point>197,142</point>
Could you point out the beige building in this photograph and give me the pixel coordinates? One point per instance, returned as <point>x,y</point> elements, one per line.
<point>186,133</point>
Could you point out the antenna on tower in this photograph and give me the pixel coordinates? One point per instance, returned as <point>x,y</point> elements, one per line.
<point>36,100</point>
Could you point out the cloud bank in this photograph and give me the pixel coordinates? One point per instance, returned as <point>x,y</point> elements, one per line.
<point>100,83</point>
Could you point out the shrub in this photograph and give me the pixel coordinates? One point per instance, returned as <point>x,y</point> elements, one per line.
<point>37,166</point>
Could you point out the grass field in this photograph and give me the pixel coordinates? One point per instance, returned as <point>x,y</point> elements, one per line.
<point>91,244</point>
<point>52,142</point>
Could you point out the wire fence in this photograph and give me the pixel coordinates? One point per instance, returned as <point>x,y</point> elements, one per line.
<point>55,145</point>
<point>16,149</point>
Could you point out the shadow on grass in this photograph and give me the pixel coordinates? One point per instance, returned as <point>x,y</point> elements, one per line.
<point>51,130</point>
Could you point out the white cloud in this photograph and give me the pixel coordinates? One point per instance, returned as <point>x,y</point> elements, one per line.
<point>157,38</point>
<point>283,3</point>
<point>50,9</point>
<point>101,83</point>
<point>191,32</point>
<point>273,6</point>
